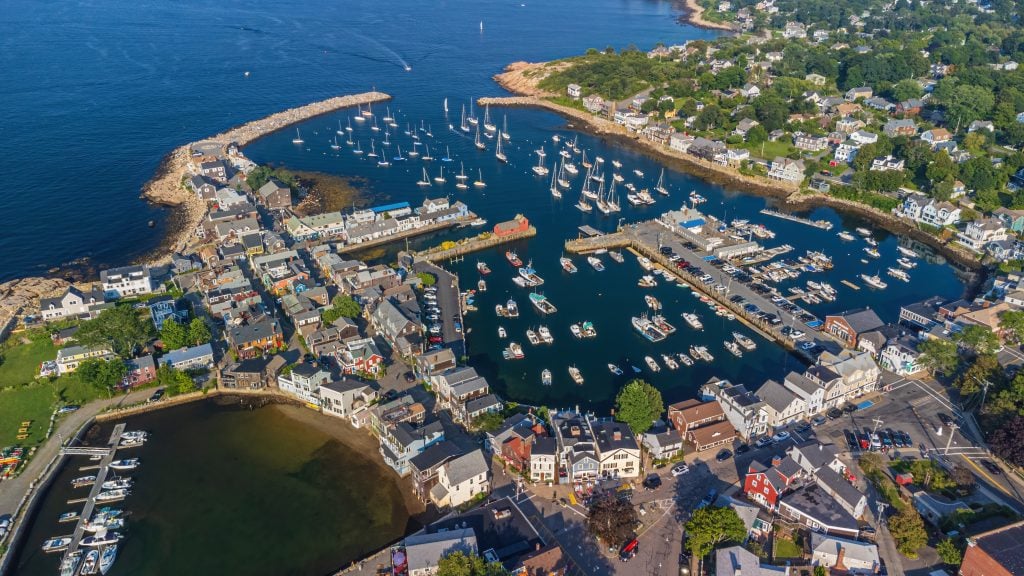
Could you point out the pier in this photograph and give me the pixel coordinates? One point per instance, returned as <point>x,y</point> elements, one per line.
<point>647,238</point>
<point>475,244</point>
<point>97,487</point>
<point>822,224</point>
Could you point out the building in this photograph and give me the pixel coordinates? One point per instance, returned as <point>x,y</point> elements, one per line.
<point>275,195</point>
<point>461,479</point>
<point>936,136</point>
<point>887,163</point>
<point>402,442</point>
<point>617,449</point>
<point>73,303</point>
<point>399,324</point>
<point>304,381</point>
<point>517,225</point>
<point>786,169</point>
<point>68,359</point>
<point>347,397</point>
<point>894,128</point>
<point>810,506</point>
<point>663,445</point>
<point>844,555</point>
<point>694,413</point>
<point>901,357</point>
<point>766,484</point>
<point>423,551</point>
<point>141,371</point>
<point>426,465</point>
<point>126,281</point>
<point>781,404</point>
<point>980,233</point>
<point>848,326</point>
<point>254,373</point>
<point>737,561</point>
<point>745,411</point>
<point>544,460</point>
<point>574,91</point>
<point>998,552</point>
<point>711,436</point>
<point>859,92</point>
<point>194,358</point>
<point>251,340</point>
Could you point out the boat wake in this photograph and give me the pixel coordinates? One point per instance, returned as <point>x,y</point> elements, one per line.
<point>391,56</point>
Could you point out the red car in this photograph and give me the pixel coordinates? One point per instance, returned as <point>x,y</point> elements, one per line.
<point>629,550</point>
<point>436,339</point>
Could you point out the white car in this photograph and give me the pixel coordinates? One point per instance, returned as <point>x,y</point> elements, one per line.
<point>780,436</point>
<point>680,469</point>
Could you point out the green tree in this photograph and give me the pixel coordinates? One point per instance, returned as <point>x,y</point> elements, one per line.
<point>427,278</point>
<point>710,526</point>
<point>870,463</point>
<point>341,306</point>
<point>488,421</point>
<point>771,110</point>
<point>907,529</point>
<point>198,332</point>
<point>1011,323</point>
<point>103,375</point>
<point>820,571</point>
<point>941,168</point>
<point>462,564</point>
<point>938,356</point>
<point>757,135</point>
<point>173,335</point>
<point>977,338</point>
<point>638,405</point>
<point>175,381</point>
<point>121,328</point>
<point>949,552</point>
<point>906,89</point>
<point>611,520</point>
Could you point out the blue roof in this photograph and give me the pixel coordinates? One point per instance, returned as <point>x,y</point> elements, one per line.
<point>390,207</point>
<point>186,354</point>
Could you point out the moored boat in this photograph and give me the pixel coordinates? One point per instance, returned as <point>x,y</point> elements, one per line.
<point>744,341</point>
<point>614,369</point>
<point>68,516</point>
<point>693,320</point>
<point>545,377</point>
<point>126,464</point>
<point>545,335</point>
<point>107,558</point>
<point>514,351</point>
<point>874,281</point>
<point>567,265</point>
<point>576,375</point>
<point>542,304</point>
<point>56,544</point>
<point>101,539</point>
<point>83,481</point>
<point>616,256</point>
<point>906,263</point>
<point>647,329</point>
<point>595,263</point>
<point>513,258</point>
<point>907,252</point>
<point>733,347</point>
<point>117,483</point>
<point>112,495</point>
<point>91,563</point>
<point>69,564</point>
<point>652,364</point>
<point>899,274</point>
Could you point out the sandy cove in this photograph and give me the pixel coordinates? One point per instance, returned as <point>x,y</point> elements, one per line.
<point>695,16</point>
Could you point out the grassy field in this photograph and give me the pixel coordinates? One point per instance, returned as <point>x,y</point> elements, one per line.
<point>786,548</point>
<point>25,403</point>
<point>771,149</point>
<point>20,362</point>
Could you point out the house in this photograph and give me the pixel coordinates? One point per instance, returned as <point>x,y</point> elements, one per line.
<point>68,359</point>
<point>782,405</point>
<point>254,373</point>
<point>846,327</point>
<point>811,393</point>
<point>594,104</point>
<point>810,506</point>
<point>936,136</point>
<point>426,465</point>
<point>816,79</point>
<point>863,137</point>
<point>203,187</point>
<point>750,91</point>
<point>885,163</point>
<point>711,436</point>
<point>423,551</point>
<point>386,415</point>
<point>550,560</point>
<point>979,233</point>
<point>399,325</point>
<point>859,92</point>
<point>401,442</point>
<point>744,126</point>
<point>617,449</point>
<point>73,303</point>
<point>766,484</point>
<point>900,356</point>
<point>544,460</point>
<point>985,125</point>
<point>744,411</point>
<point>347,397</point>
<point>846,375</point>
<point>910,107</point>
<point>663,445</point>
<point>940,214</point>
<point>126,281</point>
<point>879,103</point>
<point>895,127</point>
<point>680,142</point>
<point>737,560</point>
<point>574,91</point>
<point>504,534</point>
<point>846,151</point>
<point>141,371</point>
<point>214,170</point>
<point>164,308</point>
<point>461,479</point>
<point>275,195</point>
<point>794,30</point>
<point>786,169</point>
<point>250,340</point>
<point>435,362</point>
<point>304,381</point>
<point>359,356</point>
<point>517,225</point>
<point>693,413</point>
<point>844,555</point>
<point>998,552</point>
<point>1013,220</point>
<point>810,143</point>
<point>194,358</point>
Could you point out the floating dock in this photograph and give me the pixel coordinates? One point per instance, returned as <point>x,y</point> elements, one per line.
<point>822,224</point>
<point>97,487</point>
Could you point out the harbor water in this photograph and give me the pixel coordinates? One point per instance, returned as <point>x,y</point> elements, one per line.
<point>228,490</point>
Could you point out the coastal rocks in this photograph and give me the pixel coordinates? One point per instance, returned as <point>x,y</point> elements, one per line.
<point>24,293</point>
<point>525,77</point>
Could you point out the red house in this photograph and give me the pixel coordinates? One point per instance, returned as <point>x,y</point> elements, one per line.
<point>140,371</point>
<point>765,485</point>
<point>516,225</point>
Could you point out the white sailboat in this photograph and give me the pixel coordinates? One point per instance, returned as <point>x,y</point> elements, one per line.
<point>499,154</point>
<point>298,137</point>
<point>504,129</point>
<point>540,169</point>
<point>387,119</point>
<point>358,149</point>
<point>425,180</point>
<point>446,106</point>
<point>461,178</point>
<point>373,151</point>
<point>349,127</point>
<point>340,131</point>
<point>480,145</point>
<point>447,155</point>
<point>462,123</point>
<point>487,119</point>
<point>561,175</point>
<point>660,187</point>
<point>471,119</point>
<point>554,188</point>
<point>334,143</point>
<point>427,157</point>
<point>440,179</point>
<point>479,183</point>
<point>360,117</point>
<point>375,128</point>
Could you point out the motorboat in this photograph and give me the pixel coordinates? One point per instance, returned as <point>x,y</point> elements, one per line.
<point>126,464</point>
<point>745,342</point>
<point>482,268</point>
<point>899,274</point>
<point>576,375</point>
<point>567,265</point>
<point>117,483</point>
<point>56,544</point>
<point>532,338</point>
<point>614,369</point>
<point>112,495</point>
<point>545,377</point>
<point>669,362</point>
<point>874,281</point>
<point>652,364</point>
<point>844,235</point>
<point>107,558</point>
<point>685,358</point>
<point>514,351</point>
<point>545,335</point>
<point>542,304</point>
<point>68,516</point>
<point>91,563</point>
<point>513,258</point>
<point>69,564</point>
<point>575,330</point>
<point>101,539</point>
<point>873,252</point>
<point>908,252</point>
<point>83,481</point>
<point>906,263</point>
<point>104,523</point>
<point>616,256</point>
<point>863,231</point>
<point>652,302</point>
<point>647,329</point>
<point>595,263</point>
<point>733,347</point>
<point>693,320</point>
<point>501,332</point>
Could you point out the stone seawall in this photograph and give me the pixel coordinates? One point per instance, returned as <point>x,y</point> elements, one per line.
<point>265,396</point>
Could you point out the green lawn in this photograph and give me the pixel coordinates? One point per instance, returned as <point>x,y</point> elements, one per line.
<point>24,403</point>
<point>20,362</point>
<point>771,149</point>
<point>786,548</point>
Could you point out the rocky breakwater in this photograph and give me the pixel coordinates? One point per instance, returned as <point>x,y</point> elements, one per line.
<point>168,186</point>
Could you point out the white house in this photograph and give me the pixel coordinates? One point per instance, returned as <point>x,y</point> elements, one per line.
<point>617,450</point>
<point>980,232</point>
<point>782,405</point>
<point>574,91</point>
<point>423,551</point>
<point>462,479</point>
<point>73,302</point>
<point>863,137</point>
<point>846,151</point>
<point>544,460</point>
<point>886,163</point>
<point>745,411</point>
<point>901,356</point>
<point>850,556</point>
<point>304,381</point>
<point>786,169</point>
<point>126,281</point>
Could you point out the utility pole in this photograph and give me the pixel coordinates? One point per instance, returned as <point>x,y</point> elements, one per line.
<point>878,422</point>
<point>952,429</point>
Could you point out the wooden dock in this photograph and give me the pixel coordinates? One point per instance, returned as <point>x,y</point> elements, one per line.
<point>97,487</point>
<point>475,244</point>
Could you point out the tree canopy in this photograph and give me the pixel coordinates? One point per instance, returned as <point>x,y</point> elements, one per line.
<point>611,520</point>
<point>638,405</point>
<point>710,526</point>
<point>342,306</point>
<point>104,375</point>
<point>121,328</point>
<point>462,564</point>
<point>907,528</point>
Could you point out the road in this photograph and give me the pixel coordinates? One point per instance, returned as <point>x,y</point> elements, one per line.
<point>448,302</point>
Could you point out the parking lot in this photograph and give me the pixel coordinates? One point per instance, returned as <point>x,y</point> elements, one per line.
<point>449,313</point>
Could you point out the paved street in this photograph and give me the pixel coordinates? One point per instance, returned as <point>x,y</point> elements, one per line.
<point>448,302</point>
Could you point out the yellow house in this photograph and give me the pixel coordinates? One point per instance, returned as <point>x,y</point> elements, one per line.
<point>68,359</point>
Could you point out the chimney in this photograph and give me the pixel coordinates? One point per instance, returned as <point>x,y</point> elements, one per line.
<point>839,559</point>
<point>776,460</point>
<point>617,435</point>
<point>537,546</point>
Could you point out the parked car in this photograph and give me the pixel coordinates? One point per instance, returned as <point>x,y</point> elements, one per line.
<point>805,427</point>
<point>851,440</point>
<point>723,455</point>
<point>992,467</point>
<point>629,550</point>
<point>410,377</point>
<point>68,409</point>
<point>763,441</point>
<point>834,413</point>
<point>818,420</point>
<point>743,449</point>
<point>780,436</point>
<point>680,469</point>
<point>652,482</point>
<point>156,395</point>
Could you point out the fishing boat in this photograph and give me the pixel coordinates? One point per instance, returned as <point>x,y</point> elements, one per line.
<point>652,302</point>
<point>576,375</point>
<point>662,324</point>
<point>874,281</point>
<point>498,153</point>
<point>425,180</point>
<point>614,369</point>
<point>482,267</point>
<point>513,258</point>
<point>545,377</point>
<point>595,263</point>
<point>647,329</point>
<point>588,329</point>
<point>542,304</point>
<point>685,359</point>
<point>906,263</point>
<point>440,179</point>
<point>660,186</point>
<point>669,362</point>
<point>477,222</point>
<point>479,182</point>
<point>514,351</point>
<point>126,464</point>
<point>844,235</point>
<point>112,495</point>
<point>107,558</point>
<point>530,275</point>
<point>652,364</point>
<point>702,353</point>
<point>899,274</point>
<point>501,332</point>
<point>616,256</point>
<point>908,252</point>
<point>567,265</point>
<point>68,517</point>
<point>733,347</point>
<point>745,342</point>
<point>69,564</point>
<point>83,481</point>
<point>298,137</point>
<point>540,169</point>
<point>101,539</point>
<point>693,320</point>
<point>545,335</point>
<point>511,309</point>
<point>117,484</point>
<point>56,544</point>
<point>873,252</point>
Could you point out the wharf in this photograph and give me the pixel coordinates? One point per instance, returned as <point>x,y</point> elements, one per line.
<point>823,224</point>
<point>412,233</point>
<point>475,244</point>
<point>97,487</point>
<point>647,237</point>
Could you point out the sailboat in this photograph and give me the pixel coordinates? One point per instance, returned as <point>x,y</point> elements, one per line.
<point>602,205</point>
<point>612,201</point>
<point>480,145</point>
<point>387,139</point>
<point>480,183</point>
<point>399,157</point>
<point>340,131</point>
<point>383,162</point>
<point>504,129</point>
<point>471,119</point>
<point>575,148</point>
<point>358,149</point>
<point>586,188</point>
<point>414,153</point>
<point>425,180</point>
<point>582,205</point>
<point>375,128</point>
<point>462,124</point>
<point>387,119</point>
<point>360,117</point>
<point>499,154</point>
<point>461,177</point>
<point>446,106</point>
<point>440,177</point>
<point>298,137</point>
<point>554,188</point>
<point>334,143</point>
<point>487,119</point>
<point>584,160</point>
<point>561,175</point>
<point>447,155</point>
<point>373,151</point>
<point>540,169</point>
<point>660,188</point>
<point>427,157</point>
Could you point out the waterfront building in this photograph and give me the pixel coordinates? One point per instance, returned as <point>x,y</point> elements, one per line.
<point>577,454</point>
<point>250,340</point>
<point>347,397</point>
<point>517,225</point>
<point>252,373</point>
<point>141,371</point>
<point>781,405</point>
<point>468,411</point>
<point>403,441</point>
<point>304,381</point>
<point>786,169</point>
<point>461,479</point>
<point>193,358</point>
<point>68,359</point>
<point>163,308</point>
<point>544,460</point>
<point>980,233</point>
<point>434,362</point>
<point>901,357</point>
<point>203,187</point>
<point>126,281</point>
<point>574,91</point>
<point>712,436</point>
<point>424,550</point>
<point>275,195</point>
<point>744,410</point>
<point>389,414</point>
<point>849,325</point>
<point>73,303</point>
<point>694,413</point>
<point>399,325</point>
